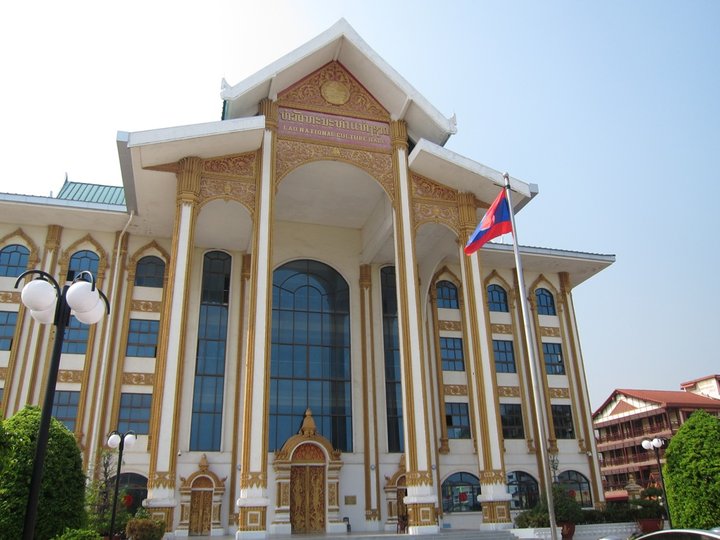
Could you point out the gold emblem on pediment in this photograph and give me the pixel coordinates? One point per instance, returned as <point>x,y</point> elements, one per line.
<point>333,89</point>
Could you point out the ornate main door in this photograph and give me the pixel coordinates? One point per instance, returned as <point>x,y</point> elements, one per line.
<point>307,499</point>
<point>200,507</point>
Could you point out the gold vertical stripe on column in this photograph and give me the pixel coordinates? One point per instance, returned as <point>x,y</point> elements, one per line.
<point>365,357</point>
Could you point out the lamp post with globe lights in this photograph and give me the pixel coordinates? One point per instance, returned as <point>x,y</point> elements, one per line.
<point>120,441</point>
<point>51,304</point>
<point>655,445</point>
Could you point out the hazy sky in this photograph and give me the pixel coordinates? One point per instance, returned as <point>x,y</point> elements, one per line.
<point>611,107</point>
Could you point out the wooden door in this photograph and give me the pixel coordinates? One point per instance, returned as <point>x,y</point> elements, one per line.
<point>307,499</point>
<point>200,512</point>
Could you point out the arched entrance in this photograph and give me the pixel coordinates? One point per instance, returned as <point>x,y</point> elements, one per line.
<point>200,502</point>
<point>308,476</point>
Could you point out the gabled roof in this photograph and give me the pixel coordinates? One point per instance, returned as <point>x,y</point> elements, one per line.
<point>660,398</point>
<point>342,43</point>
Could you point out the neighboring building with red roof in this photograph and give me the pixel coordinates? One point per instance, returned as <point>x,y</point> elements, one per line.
<point>629,416</point>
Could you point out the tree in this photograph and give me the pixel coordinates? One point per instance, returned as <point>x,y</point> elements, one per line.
<point>692,473</point>
<point>62,491</point>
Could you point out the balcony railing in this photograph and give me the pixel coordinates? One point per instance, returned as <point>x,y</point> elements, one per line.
<point>645,432</point>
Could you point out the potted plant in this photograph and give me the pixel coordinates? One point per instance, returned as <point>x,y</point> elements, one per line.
<point>143,527</point>
<point>567,511</point>
<point>650,514</point>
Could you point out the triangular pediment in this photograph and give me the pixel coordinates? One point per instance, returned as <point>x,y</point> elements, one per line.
<point>333,89</point>
<point>621,407</point>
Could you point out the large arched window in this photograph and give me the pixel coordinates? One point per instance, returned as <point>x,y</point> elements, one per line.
<point>460,493</point>
<point>497,298</point>
<point>545,302</point>
<point>207,407</point>
<point>83,260</point>
<point>524,490</point>
<point>149,272</point>
<point>447,295</point>
<point>13,260</point>
<point>577,486</point>
<point>310,355</point>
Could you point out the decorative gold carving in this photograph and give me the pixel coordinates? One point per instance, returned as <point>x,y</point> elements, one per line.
<point>333,498</point>
<point>326,90</point>
<point>9,297</point>
<point>550,331</point>
<point>496,512</point>
<point>237,165</point>
<point>455,390</point>
<point>424,188</point>
<point>450,326</point>
<point>419,478</point>
<point>428,212</point>
<point>70,376</point>
<point>308,453</point>
<point>146,306</point>
<point>3,373</point>
<point>243,192</point>
<point>252,518</point>
<point>161,480</point>
<point>141,379</point>
<point>252,479</point>
<point>284,494</point>
<point>307,499</point>
<point>52,240</point>
<point>501,328</point>
<point>291,154</point>
<point>509,391</point>
<point>559,392</point>
<point>421,514</point>
<point>492,477</point>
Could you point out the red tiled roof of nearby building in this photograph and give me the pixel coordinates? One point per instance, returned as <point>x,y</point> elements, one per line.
<point>664,398</point>
<point>695,381</point>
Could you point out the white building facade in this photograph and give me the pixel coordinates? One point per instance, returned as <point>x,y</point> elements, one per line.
<point>295,333</point>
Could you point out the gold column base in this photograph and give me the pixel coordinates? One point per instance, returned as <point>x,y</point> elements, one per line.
<point>252,518</point>
<point>421,514</point>
<point>496,512</point>
<point>164,514</point>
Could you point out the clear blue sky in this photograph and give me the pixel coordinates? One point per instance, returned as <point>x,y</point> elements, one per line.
<point>612,108</point>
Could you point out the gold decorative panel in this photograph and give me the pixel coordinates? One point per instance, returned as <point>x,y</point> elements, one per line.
<point>252,479</point>
<point>70,376</point>
<point>146,306</point>
<point>307,499</point>
<point>334,90</point>
<point>450,326</point>
<point>559,392</point>
<point>161,480</point>
<point>421,514</point>
<point>143,379</point>
<point>9,297</point>
<point>501,328</point>
<point>419,478</point>
<point>492,477</point>
<point>309,453</point>
<point>251,518</point>
<point>455,390</point>
<point>509,391</point>
<point>549,331</point>
<point>3,373</point>
<point>424,188</point>
<point>227,189</point>
<point>242,165</point>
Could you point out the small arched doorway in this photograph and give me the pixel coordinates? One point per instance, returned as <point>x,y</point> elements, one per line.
<point>201,502</point>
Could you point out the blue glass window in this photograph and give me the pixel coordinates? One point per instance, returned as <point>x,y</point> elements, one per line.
<point>451,352</point>
<point>563,421</point>
<point>135,413</point>
<point>310,355</point>
<point>391,344</point>
<point>554,365</point>
<point>83,260</point>
<point>150,272</point>
<point>512,421</point>
<point>8,320</point>
<point>497,298</point>
<point>504,356</point>
<point>524,490</point>
<point>206,425</point>
<point>447,295</point>
<point>142,338</point>
<point>13,260</point>
<point>76,337</point>
<point>65,407</point>
<point>545,302</point>
<point>457,420</point>
<point>460,493</point>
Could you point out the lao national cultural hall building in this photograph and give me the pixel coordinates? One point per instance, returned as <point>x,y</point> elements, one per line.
<point>295,334</point>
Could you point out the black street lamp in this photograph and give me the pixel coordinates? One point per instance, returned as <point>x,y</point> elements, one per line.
<point>655,445</point>
<point>48,303</point>
<point>120,441</point>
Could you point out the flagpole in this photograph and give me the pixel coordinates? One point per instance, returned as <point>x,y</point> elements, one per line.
<point>534,375</point>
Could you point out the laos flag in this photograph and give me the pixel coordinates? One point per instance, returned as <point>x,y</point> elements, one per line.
<point>495,222</point>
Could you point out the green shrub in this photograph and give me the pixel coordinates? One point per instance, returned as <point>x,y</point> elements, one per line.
<point>691,473</point>
<point>62,493</point>
<point>78,534</point>
<point>144,529</point>
<point>567,510</point>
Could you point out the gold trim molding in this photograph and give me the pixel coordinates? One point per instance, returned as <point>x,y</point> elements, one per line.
<point>550,331</point>
<point>455,390</point>
<point>559,393</point>
<point>146,306</point>
<point>508,391</point>
<point>501,328</point>
<point>9,297</point>
<point>142,379</point>
<point>450,326</point>
<point>70,376</point>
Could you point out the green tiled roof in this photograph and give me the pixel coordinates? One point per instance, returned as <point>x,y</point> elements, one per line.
<point>93,193</point>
